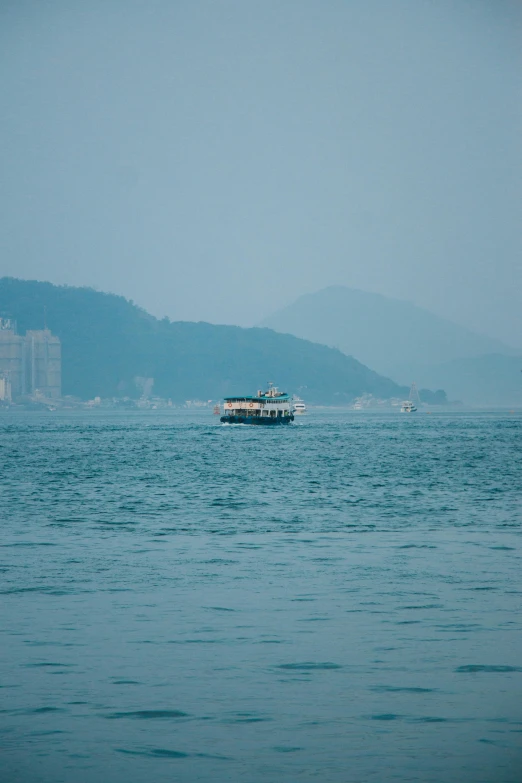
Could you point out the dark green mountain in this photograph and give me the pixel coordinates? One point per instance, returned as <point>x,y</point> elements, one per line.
<point>108,341</point>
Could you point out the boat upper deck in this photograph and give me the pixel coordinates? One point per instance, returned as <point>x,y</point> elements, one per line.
<point>280,397</point>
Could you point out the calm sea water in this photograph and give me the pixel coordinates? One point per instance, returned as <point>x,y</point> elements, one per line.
<point>338,600</point>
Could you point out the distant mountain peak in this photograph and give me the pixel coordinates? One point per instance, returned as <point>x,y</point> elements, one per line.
<point>396,338</point>
<point>382,332</point>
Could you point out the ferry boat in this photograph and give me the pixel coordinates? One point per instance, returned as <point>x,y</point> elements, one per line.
<point>408,407</point>
<point>298,406</point>
<point>266,408</point>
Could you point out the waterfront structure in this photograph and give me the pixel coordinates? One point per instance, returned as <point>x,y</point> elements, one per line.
<point>270,407</point>
<point>43,356</point>
<point>32,363</point>
<point>5,388</point>
<point>12,355</point>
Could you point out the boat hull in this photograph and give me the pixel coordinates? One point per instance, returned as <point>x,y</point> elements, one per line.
<point>258,420</point>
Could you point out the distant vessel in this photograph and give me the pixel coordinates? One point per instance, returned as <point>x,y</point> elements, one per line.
<point>217,409</point>
<point>408,406</point>
<point>266,408</point>
<point>298,406</point>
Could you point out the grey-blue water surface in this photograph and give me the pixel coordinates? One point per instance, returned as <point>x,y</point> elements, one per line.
<point>338,600</point>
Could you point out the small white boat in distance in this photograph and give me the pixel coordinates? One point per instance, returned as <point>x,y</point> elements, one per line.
<point>298,405</point>
<point>408,406</point>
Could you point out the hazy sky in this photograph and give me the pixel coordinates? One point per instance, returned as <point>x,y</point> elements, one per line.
<point>213,160</point>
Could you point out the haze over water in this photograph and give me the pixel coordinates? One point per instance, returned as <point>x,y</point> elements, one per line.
<point>337,600</point>
<point>215,160</point>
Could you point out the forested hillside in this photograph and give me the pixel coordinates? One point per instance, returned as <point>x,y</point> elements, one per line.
<point>107,342</point>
